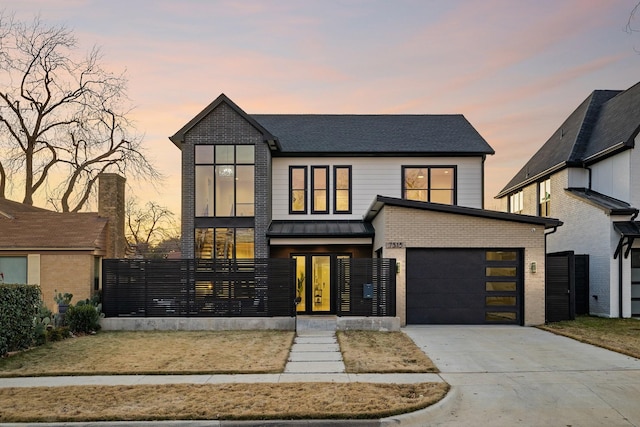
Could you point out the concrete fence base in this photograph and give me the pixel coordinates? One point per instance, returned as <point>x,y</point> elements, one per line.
<point>239,323</point>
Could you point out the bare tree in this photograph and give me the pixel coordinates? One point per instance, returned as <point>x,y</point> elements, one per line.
<point>631,25</point>
<point>148,226</point>
<point>63,118</point>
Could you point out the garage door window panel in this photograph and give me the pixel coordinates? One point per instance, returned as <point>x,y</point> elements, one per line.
<point>501,271</point>
<point>504,300</point>
<point>501,286</point>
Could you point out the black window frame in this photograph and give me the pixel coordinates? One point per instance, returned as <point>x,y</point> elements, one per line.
<point>313,189</point>
<point>429,189</point>
<point>336,189</point>
<point>213,165</point>
<point>291,190</point>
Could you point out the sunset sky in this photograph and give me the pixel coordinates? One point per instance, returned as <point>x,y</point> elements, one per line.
<point>514,68</point>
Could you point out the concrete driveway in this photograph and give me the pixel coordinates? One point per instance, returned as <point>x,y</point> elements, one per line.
<point>506,376</point>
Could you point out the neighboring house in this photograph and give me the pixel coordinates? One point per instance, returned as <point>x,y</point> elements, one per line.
<point>588,175</point>
<point>62,251</point>
<point>320,188</point>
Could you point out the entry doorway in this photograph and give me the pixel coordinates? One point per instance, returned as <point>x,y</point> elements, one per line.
<point>315,282</point>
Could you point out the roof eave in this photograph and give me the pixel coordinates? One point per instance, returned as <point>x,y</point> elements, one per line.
<point>528,181</point>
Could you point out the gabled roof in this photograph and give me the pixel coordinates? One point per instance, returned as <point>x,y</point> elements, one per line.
<point>342,134</point>
<point>28,227</point>
<point>178,137</point>
<point>381,201</point>
<point>608,204</point>
<point>347,134</point>
<point>602,125</point>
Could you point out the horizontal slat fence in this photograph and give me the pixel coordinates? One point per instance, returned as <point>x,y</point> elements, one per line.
<point>356,273</point>
<point>195,287</point>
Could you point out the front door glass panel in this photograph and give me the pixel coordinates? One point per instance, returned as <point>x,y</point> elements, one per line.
<point>321,283</point>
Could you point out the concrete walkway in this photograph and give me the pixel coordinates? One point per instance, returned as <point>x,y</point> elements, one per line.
<point>315,352</point>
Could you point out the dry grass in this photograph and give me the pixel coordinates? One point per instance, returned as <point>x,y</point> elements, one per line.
<point>382,352</point>
<point>213,402</point>
<point>619,335</point>
<point>211,352</point>
<point>120,353</point>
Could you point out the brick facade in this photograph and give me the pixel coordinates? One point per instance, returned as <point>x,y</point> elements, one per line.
<point>111,202</point>
<point>224,125</point>
<point>426,229</point>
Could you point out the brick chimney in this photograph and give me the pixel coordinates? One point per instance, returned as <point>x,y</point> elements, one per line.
<point>111,206</point>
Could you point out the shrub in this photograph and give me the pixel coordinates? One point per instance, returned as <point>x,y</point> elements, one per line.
<point>18,307</point>
<point>83,318</point>
<point>42,322</point>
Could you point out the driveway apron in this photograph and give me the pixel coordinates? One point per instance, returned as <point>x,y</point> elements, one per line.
<point>510,375</point>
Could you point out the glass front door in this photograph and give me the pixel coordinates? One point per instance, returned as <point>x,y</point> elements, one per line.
<point>313,283</point>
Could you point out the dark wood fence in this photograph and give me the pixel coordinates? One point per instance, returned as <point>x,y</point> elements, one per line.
<point>195,287</point>
<point>366,287</point>
<point>237,288</point>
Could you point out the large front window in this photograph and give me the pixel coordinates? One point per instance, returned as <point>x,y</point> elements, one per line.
<point>224,180</point>
<point>224,243</point>
<point>433,184</point>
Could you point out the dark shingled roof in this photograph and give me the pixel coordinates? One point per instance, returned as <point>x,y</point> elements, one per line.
<point>333,228</point>
<point>607,121</point>
<point>25,226</point>
<point>346,134</point>
<point>374,134</point>
<point>608,204</point>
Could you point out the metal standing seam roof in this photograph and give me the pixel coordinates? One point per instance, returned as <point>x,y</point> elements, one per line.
<point>606,203</point>
<point>605,122</point>
<point>335,228</point>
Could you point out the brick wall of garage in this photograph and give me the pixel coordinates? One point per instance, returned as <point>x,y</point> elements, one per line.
<point>427,229</point>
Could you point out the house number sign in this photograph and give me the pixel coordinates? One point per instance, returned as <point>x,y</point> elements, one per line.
<point>394,245</point>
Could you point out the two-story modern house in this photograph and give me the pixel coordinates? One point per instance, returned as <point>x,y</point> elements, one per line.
<point>323,188</point>
<point>588,175</point>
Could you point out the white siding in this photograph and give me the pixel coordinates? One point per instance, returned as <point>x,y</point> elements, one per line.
<point>635,175</point>
<point>372,176</point>
<point>611,176</point>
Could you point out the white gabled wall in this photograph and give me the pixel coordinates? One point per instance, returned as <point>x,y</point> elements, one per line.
<point>611,176</point>
<point>372,176</point>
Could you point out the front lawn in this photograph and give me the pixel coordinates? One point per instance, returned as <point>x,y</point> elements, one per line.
<point>619,335</point>
<point>110,353</point>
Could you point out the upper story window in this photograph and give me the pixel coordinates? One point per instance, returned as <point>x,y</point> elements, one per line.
<point>435,184</point>
<point>298,189</point>
<point>516,202</point>
<point>320,186</point>
<point>342,189</point>
<point>224,180</point>
<point>544,192</point>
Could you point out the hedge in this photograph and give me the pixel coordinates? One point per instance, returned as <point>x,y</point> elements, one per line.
<point>18,307</point>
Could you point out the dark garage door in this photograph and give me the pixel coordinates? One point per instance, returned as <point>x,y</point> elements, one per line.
<point>464,286</point>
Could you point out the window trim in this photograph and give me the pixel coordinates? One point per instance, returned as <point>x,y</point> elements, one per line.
<point>291,189</point>
<point>313,190</point>
<point>349,168</point>
<point>519,197</point>
<point>213,166</point>
<point>428,168</point>
<point>547,201</point>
